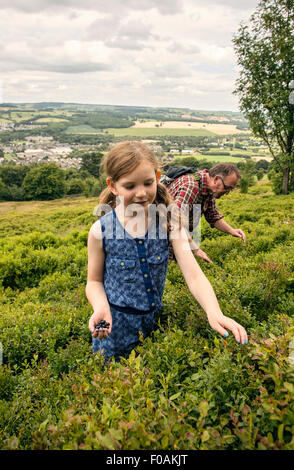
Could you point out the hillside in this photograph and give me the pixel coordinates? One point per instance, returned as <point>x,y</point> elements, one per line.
<point>185,387</point>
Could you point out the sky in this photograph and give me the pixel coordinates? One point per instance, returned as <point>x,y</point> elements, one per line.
<point>161,53</point>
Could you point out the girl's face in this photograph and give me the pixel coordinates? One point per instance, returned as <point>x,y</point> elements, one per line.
<point>137,187</point>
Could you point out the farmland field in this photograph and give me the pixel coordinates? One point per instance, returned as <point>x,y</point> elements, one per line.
<point>221,129</point>
<point>211,158</point>
<point>184,387</point>
<point>158,131</point>
<point>82,129</point>
<point>51,119</point>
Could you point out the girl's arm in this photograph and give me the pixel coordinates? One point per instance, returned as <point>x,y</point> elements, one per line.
<point>95,289</point>
<point>201,288</point>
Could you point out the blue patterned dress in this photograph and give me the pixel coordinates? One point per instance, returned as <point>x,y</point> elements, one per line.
<point>134,277</point>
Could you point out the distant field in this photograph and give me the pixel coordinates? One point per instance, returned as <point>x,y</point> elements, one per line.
<point>18,116</point>
<point>81,130</point>
<point>51,119</point>
<point>220,129</point>
<point>158,131</point>
<point>212,158</point>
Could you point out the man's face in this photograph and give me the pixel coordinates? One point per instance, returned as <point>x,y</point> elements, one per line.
<point>221,185</point>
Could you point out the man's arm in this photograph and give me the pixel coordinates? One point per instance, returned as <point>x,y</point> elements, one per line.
<point>223,226</point>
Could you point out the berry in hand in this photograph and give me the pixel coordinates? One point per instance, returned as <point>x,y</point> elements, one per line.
<point>102,325</point>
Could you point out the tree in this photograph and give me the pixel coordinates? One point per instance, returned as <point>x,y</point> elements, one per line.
<point>13,174</point>
<point>186,161</point>
<point>248,170</point>
<point>91,163</point>
<point>262,164</point>
<point>265,55</point>
<point>2,189</point>
<point>76,186</point>
<point>260,174</point>
<point>44,182</point>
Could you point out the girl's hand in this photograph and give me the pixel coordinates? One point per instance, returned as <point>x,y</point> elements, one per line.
<point>95,319</point>
<point>219,322</point>
<point>201,254</point>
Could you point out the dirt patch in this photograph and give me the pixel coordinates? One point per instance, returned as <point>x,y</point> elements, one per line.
<point>268,159</point>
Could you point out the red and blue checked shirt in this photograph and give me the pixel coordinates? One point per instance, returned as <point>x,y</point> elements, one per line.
<point>192,189</point>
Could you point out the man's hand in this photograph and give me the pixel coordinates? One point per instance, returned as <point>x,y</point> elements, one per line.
<point>201,254</point>
<point>237,232</point>
<point>223,226</point>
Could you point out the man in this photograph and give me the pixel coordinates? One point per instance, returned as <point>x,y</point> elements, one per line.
<point>204,188</point>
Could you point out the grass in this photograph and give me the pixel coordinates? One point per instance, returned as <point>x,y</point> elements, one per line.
<point>157,131</point>
<point>138,132</point>
<point>59,216</point>
<point>51,119</point>
<point>83,129</point>
<point>18,116</point>
<point>211,158</point>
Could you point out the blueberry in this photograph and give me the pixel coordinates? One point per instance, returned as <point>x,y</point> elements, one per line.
<point>102,324</point>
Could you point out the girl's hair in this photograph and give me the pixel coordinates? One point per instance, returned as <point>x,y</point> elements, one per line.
<point>122,159</point>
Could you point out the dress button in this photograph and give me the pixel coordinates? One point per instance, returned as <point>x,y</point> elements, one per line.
<point>140,242</point>
<point>143,259</point>
<point>153,305</point>
<point>145,275</point>
<point>122,263</point>
<point>148,290</point>
<point>158,257</point>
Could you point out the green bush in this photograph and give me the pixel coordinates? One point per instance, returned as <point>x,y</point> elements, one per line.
<point>184,387</point>
<point>244,185</point>
<point>76,186</point>
<point>44,182</point>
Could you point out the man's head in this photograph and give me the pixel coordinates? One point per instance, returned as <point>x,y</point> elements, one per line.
<point>223,178</point>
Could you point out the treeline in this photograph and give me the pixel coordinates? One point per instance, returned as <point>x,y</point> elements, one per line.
<point>49,181</point>
<point>56,131</point>
<point>102,120</point>
<point>98,120</point>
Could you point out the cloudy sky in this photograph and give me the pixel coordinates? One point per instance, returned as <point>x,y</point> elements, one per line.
<point>175,53</point>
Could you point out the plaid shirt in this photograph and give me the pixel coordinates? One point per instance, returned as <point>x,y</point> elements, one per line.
<point>192,189</point>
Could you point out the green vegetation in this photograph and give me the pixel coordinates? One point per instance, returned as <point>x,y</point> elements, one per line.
<point>44,182</point>
<point>264,50</point>
<point>91,163</point>
<point>82,129</point>
<point>157,131</point>
<point>217,157</point>
<point>51,119</point>
<point>184,387</point>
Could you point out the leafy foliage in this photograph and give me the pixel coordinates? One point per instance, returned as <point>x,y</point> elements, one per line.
<point>184,387</point>
<point>264,50</point>
<point>44,182</point>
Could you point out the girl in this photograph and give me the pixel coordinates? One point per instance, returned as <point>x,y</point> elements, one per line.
<point>128,255</point>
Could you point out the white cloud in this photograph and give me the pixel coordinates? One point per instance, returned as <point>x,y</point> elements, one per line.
<point>139,52</point>
<point>165,7</point>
